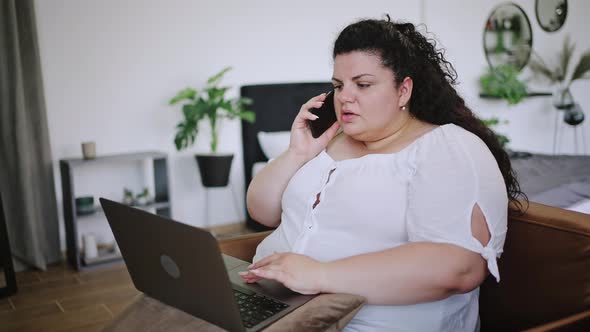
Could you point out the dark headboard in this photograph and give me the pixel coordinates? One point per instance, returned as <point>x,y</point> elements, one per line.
<point>275,105</point>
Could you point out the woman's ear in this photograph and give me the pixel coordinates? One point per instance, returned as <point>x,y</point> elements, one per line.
<point>405,91</point>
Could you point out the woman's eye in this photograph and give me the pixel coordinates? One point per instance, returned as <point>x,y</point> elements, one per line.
<point>363,85</point>
<point>337,87</point>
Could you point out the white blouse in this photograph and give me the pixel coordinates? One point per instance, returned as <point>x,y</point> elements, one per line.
<point>425,192</point>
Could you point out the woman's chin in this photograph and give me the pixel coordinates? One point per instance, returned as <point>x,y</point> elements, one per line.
<point>353,131</point>
<point>348,129</point>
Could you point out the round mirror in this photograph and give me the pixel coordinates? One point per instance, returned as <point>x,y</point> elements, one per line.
<point>508,37</point>
<point>551,14</point>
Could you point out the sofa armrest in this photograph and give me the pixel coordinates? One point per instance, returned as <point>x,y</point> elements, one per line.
<point>577,322</point>
<point>243,246</point>
<point>544,270</point>
<point>325,313</point>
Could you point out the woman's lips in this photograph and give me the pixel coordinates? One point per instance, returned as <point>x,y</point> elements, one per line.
<point>348,116</point>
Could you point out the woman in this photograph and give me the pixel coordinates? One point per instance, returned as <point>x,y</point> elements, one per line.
<point>406,206</point>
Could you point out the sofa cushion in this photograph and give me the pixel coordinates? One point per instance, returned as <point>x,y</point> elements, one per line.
<point>545,270</point>
<point>326,312</point>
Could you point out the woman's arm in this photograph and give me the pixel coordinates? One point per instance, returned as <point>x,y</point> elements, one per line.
<point>408,274</point>
<point>415,272</point>
<point>263,198</point>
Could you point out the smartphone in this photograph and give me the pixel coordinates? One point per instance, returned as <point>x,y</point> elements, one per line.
<point>326,116</point>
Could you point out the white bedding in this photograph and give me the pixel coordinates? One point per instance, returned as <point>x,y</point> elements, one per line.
<point>581,206</point>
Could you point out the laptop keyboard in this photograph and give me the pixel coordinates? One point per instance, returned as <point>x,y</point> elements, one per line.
<point>255,308</point>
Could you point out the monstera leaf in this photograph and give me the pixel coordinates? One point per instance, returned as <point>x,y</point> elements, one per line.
<point>211,103</point>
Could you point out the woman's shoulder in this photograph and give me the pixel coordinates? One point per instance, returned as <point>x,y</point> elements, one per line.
<point>452,136</point>
<point>454,144</point>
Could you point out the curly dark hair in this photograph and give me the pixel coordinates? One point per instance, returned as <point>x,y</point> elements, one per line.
<point>434,99</point>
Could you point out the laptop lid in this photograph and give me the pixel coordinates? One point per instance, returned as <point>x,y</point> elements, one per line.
<point>175,263</point>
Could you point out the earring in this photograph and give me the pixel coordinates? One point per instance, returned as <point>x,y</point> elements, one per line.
<point>404,108</point>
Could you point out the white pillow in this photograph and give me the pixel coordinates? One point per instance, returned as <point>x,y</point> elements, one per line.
<point>274,143</point>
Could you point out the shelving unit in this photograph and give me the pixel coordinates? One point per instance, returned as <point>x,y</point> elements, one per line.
<point>161,203</point>
<point>530,94</point>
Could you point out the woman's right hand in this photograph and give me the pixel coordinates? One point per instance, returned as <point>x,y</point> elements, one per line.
<point>266,189</point>
<point>302,143</point>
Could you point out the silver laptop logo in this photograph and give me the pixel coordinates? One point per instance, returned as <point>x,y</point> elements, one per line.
<point>170,266</point>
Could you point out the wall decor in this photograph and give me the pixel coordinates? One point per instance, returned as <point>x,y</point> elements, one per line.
<point>508,37</point>
<point>551,14</point>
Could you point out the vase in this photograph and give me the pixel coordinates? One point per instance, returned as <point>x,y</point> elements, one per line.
<point>573,116</point>
<point>214,169</point>
<point>562,98</point>
<point>88,150</point>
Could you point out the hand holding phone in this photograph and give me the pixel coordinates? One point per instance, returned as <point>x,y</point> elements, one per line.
<point>326,116</point>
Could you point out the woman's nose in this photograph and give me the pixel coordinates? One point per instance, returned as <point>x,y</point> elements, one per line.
<point>344,95</point>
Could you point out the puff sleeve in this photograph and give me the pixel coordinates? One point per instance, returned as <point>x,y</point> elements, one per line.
<point>453,171</point>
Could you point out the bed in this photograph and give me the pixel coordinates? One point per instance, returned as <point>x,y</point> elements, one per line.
<point>556,180</point>
<point>561,181</point>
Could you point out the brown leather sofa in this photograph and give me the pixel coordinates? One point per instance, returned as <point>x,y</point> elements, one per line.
<point>545,272</point>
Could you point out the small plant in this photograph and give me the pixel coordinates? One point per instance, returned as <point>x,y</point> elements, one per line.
<point>143,198</point>
<point>210,103</point>
<point>559,73</point>
<point>502,81</point>
<point>494,121</point>
<point>128,198</point>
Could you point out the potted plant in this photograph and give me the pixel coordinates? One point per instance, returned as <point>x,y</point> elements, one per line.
<point>212,104</point>
<point>558,74</point>
<point>492,122</point>
<point>502,82</point>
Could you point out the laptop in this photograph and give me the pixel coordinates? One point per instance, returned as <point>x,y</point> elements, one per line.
<point>182,266</point>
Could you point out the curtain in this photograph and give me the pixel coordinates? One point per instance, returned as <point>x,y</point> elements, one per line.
<point>26,175</point>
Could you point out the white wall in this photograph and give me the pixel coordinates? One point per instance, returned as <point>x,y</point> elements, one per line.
<point>459,26</point>
<point>110,67</point>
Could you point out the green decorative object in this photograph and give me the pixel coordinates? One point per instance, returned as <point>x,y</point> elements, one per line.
<point>494,121</point>
<point>210,103</point>
<point>502,81</point>
<point>84,205</point>
<point>557,74</point>
<point>143,198</point>
<point>128,197</point>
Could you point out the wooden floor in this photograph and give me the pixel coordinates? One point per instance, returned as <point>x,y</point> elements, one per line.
<point>62,299</point>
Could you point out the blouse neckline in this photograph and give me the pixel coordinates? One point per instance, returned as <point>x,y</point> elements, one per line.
<point>378,155</point>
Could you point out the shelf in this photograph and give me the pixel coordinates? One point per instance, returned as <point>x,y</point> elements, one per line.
<point>98,209</point>
<point>72,220</point>
<point>103,257</point>
<point>156,205</point>
<point>116,158</point>
<point>530,94</point>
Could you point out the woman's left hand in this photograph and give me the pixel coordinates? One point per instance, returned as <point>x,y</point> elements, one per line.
<point>299,273</point>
